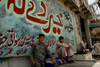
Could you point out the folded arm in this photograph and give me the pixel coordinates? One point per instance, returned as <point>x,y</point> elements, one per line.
<point>62,44</point>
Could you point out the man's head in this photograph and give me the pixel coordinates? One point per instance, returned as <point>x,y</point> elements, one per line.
<point>41,37</point>
<point>84,39</point>
<point>61,39</point>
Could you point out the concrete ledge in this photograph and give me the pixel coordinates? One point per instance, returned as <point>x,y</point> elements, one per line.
<point>87,56</point>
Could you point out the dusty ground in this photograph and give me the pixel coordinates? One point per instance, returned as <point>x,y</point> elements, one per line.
<point>82,64</point>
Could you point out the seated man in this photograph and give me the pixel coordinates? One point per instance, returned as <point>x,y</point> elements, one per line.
<point>97,47</point>
<point>64,50</point>
<point>82,46</point>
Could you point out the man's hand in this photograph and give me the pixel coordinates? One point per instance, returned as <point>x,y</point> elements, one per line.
<point>70,46</point>
<point>67,43</point>
<point>54,61</point>
<point>84,49</point>
<point>33,62</point>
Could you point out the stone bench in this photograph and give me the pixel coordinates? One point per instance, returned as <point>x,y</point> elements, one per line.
<point>87,56</point>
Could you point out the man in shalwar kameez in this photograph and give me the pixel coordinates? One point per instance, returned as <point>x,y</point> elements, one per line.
<point>82,46</point>
<point>63,50</point>
<point>38,51</point>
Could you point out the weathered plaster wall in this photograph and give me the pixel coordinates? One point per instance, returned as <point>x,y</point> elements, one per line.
<point>26,28</point>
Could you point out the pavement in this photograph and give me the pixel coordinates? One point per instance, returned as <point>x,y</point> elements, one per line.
<point>81,64</point>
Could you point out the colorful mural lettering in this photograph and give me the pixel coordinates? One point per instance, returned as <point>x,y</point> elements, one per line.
<point>21,21</point>
<point>95,22</point>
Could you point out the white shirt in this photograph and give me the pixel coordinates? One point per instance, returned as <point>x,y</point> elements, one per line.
<point>97,47</point>
<point>81,46</point>
<point>61,45</point>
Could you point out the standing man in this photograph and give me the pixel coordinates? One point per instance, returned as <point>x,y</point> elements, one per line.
<point>38,51</point>
<point>82,46</point>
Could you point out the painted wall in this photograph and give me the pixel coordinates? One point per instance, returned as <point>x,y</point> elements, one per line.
<point>15,62</point>
<point>21,21</point>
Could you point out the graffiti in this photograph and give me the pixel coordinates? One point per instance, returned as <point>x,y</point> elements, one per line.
<point>1,53</point>
<point>19,40</point>
<point>95,22</point>
<point>51,42</point>
<point>21,21</point>
<point>4,38</point>
<point>20,51</point>
<point>12,6</point>
<point>67,16</point>
<point>69,28</point>
<point>9,52</point>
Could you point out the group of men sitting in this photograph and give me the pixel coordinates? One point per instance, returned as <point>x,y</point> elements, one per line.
<point>63,51</point>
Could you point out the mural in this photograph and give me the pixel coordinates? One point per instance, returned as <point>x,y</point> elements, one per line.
<point>21,21</point>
